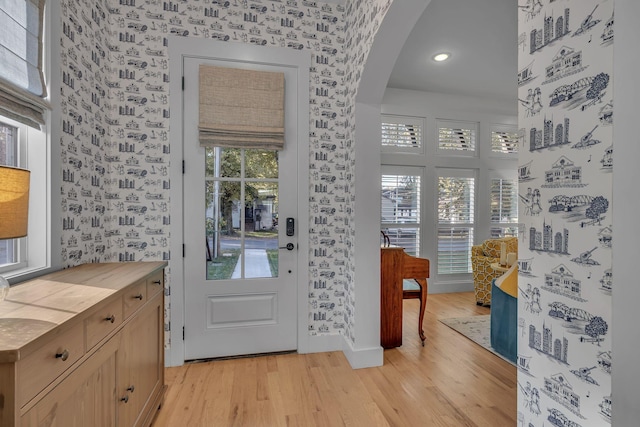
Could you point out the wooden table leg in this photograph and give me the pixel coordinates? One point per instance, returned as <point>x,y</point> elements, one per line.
<point>423,303</point>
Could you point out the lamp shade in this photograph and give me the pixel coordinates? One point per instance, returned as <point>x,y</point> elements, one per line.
<point>14,202</point>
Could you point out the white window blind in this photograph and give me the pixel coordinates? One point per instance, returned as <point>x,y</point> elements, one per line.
<point>400,210</point>
<point>22,86</point>
<point>504,141</point>
<point>454,250</point>
<point>500,232</point>
<point>402,134</point>
<point>504,200</point>
<point>241,108</point>
<point>456,221</point>
<point>457,136</point>
<point>456,200</point>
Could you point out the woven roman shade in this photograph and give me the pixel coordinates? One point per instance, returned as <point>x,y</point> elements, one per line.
<point>241,108</point>
<point>22,86</point>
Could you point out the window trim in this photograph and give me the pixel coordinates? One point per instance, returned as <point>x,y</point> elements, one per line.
<point>34,155</point>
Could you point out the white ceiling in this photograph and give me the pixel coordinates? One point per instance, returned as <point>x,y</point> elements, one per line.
<point>482,37</point>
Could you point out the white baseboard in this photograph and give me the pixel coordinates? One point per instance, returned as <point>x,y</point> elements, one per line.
<point>362,357</point>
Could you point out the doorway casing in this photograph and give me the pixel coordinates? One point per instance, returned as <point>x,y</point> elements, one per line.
<point>179,48</point>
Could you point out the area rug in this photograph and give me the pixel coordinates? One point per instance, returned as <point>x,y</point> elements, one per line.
<point>476,328</point>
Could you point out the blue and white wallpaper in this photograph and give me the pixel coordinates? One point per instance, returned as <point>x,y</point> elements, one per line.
<point>116,141</point>
<point>565,117</point>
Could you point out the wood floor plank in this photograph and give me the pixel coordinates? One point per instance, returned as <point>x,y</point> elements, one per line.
<point>450,382</point>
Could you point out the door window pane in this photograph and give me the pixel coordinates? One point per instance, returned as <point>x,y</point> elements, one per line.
<point>223,230</point>
<point>241,214</point>
<point>261,236</point>
<point>223,162</point>
<point>261,164</point>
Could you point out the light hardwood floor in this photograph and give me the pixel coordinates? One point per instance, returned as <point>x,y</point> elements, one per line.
<point>451,381</point>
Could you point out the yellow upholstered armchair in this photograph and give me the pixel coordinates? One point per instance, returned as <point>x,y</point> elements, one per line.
<point>482,256</point>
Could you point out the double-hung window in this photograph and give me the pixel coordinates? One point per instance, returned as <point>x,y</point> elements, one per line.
<point>456,220</point>
<point>23,134</point>
<point>400,207</point>
<point>401,186</point>
<point>12,251</point>
<point>24,147</point>
<point>504,203</point>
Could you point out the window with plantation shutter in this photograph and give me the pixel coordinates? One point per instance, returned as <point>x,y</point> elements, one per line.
<point>456,220</point>
<point>454,250</point>
<point>402,134</point>
<point>400,208</point>
<point>504,201</point>
<point>504,141</point>
<point>504,204</point>
<point>459,137</point>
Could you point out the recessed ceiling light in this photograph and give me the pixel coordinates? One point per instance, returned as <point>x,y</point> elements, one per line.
<point>441,57</point>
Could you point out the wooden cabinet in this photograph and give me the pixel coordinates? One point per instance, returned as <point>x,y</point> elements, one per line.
<point>84,347</point>
<point>85,398</point>
<point>140,364</point>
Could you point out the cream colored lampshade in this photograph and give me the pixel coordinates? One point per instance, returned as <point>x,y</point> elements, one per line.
<point>14,202</point>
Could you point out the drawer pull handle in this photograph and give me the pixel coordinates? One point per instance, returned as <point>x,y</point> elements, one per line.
<point>111,318</point>
<point>131,388</point>
<point>63,356</point>
<point>125,399</point>
<point>139,296</point>
<point>157,282</point>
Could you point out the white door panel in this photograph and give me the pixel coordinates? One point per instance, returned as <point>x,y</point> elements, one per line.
<point>240,280</point>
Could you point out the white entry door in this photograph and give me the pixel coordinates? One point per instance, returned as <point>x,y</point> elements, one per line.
<point>240,231</point>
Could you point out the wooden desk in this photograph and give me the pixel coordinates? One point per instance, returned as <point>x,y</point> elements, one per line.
<point>395,266</point>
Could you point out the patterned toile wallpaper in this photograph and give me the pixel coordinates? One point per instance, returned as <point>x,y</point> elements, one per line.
<point>565,172</point>
<point>116,141</point>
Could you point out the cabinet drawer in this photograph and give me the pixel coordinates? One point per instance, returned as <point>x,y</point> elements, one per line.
<point>155,284</point>
<point>41,367</point>
<point>102,322</point>
<point>134,297</point>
